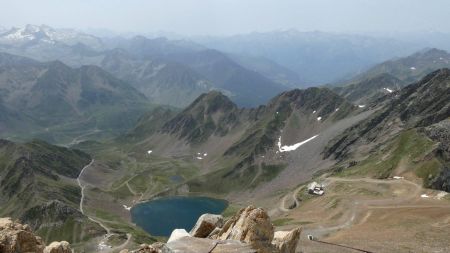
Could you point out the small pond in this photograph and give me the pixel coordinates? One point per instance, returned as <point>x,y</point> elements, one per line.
<point>161,216</point>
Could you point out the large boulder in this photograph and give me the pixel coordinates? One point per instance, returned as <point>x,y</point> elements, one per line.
<point>15,237</point>
<point>206,224</point>
<point>58,247</point>
<point>177,234</point>
<point>286,241</point>
<point>250,225</point>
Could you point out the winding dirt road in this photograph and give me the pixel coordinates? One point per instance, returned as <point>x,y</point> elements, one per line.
<point>103,244</point>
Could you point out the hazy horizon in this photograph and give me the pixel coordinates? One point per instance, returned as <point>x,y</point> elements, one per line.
<point>230,17</point>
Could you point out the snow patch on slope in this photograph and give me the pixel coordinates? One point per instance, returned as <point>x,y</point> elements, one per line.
<point>388,90</point>
<point>292,147</point>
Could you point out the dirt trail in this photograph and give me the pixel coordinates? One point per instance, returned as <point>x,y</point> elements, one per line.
<point>102,245</point>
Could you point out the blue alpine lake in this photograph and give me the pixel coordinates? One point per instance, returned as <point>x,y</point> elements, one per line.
<point>161,216</point>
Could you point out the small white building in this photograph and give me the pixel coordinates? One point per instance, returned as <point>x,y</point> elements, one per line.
<point>315,188</point>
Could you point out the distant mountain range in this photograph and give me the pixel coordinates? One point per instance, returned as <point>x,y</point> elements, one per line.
<point>189,69</point>
<point>317,57</point>
<point>32,35</point>
<point>43,99</point>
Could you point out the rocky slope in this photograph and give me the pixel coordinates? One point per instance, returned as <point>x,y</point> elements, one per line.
<point>368,90</point>
<point>420,105</point>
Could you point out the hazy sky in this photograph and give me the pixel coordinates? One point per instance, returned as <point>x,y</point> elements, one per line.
<point>201,17</point>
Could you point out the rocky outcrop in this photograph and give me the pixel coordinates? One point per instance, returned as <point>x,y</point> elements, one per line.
<point>206,224</point>
<point>286,241</point>
<point>58,247</point>
<point>251,225</point>
<point>15,237</point>
<point>18,238</point>
<point>177,234</point>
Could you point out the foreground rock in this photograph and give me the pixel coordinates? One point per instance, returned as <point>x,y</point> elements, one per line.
<point>250,225</point>
<point>206,224</point>
<point>15,238</point>
<point>177,234</point>
<point>249,231</point>
<point>58,247</point>
<point>286,241</point>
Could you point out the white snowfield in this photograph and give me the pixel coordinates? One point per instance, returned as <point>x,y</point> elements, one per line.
<point>319,118</point>
<point>413,68</point>
<point>292,147</point>
<point>361,106</point>
<point>149,152</point>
